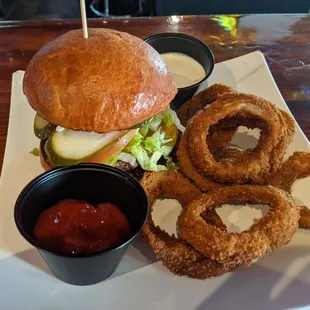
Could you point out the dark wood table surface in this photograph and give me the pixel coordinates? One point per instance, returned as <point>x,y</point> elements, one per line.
<point>284,40</point>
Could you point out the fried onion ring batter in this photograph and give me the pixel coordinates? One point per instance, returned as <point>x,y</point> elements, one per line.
<point>254,164</point>
<point>175,254</point>
<point>296,167</point>
<point>201,101</point>
<point>189,169</point>
<point>275,229</point>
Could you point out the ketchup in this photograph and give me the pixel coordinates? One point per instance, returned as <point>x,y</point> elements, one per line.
<point>75,227</point>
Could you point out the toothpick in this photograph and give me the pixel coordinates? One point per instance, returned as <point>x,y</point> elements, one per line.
<point>84,19</point>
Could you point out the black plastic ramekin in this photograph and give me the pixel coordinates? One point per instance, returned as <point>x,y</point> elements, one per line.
<point>93,183</point>
<point>190,46</point>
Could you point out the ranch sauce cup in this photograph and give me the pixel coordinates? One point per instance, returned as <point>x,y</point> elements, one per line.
<point>190,61</point>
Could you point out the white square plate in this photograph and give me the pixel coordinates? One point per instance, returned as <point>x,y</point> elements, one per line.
<point>279,281</point>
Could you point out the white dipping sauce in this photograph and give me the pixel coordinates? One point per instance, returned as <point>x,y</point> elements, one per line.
<point>185,70</point>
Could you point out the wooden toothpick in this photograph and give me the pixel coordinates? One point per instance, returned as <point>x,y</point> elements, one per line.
<point>84,19</point>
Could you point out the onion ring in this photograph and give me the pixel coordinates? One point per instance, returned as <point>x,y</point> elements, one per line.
<point>296,167</point>
<point>304,221</point>
<point>189,169</point>
<point>255,163</point>
<point>219,153</point>
<point>275,229</point>
<point>288,126</point>
<point>218,137</point>
<point>222,152</point>
<point>221,135</point>
<point>175,254</point>
<point>201,101</point>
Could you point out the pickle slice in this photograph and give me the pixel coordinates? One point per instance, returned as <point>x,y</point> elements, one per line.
<point>42,128</point>
<point>69,147</point>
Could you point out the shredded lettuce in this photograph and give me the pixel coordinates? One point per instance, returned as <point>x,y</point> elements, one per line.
<point>128,158</point>
<point>156,141</point>
<point>171,165</point>
<point>170,117</point>
<point>151,143</point>
<point>143,131</point>
<point>113,161</point>
<point>35,151</point>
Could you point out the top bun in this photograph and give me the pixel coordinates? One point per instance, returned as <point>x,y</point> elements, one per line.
<point>110,81</point>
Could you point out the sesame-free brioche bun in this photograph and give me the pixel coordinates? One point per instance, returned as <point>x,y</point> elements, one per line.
<point>110,81</point>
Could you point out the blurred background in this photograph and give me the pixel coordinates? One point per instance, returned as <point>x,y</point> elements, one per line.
<point>65,9</point>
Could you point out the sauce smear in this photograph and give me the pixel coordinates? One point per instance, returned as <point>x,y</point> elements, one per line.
<point>77,227</point>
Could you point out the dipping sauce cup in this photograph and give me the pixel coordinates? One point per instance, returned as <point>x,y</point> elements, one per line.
<point>184,44</point>
<point>95,184</point>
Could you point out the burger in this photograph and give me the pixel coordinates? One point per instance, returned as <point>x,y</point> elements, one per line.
<point>105,99</point>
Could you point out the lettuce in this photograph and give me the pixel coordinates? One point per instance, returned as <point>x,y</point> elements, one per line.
<point>170,117</point>
<point>156,141</point>
<point>128,158</point>
<point>35,151</point>
<point>122,156</point>
<point>151,143</point>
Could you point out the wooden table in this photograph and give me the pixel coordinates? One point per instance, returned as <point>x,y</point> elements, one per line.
<point>284,40</point>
